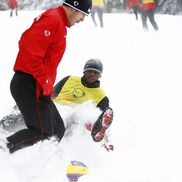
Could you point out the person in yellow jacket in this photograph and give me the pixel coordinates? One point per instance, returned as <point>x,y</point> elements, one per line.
<point>76,90</point>
<point>98,8</point>
<point>147,11</point>
<point>73,90</point>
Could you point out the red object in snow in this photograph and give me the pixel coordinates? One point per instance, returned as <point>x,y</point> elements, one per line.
<point>88,126</point>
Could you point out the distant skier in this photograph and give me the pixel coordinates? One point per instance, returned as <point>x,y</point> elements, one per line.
<point>98,8</point>
<point>13,5</point>
<point>147,11</point>
<point>134,5</point>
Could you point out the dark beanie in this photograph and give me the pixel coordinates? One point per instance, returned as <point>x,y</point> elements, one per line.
<point>83,6</point>
<point>93,64</point>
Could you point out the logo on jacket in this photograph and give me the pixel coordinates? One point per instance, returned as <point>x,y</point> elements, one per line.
<point>78,93</point>
<point>47,33</point>
<point>76,3</point>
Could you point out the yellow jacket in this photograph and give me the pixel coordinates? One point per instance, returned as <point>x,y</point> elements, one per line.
<point>147,1</point>
<point>100,3</point>
<point>74,92</point>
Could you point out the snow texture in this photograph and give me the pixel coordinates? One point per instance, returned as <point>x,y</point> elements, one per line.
<point>142,77</point>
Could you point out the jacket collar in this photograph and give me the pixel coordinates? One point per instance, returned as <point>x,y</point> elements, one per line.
<point>65,17</point>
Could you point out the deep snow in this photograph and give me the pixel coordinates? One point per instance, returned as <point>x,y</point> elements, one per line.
<point>143,79</point>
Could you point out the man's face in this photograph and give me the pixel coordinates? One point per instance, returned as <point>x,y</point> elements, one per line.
<point>91,76</point>
<point>76,17</point>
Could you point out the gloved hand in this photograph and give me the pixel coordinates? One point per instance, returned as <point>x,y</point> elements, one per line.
<point>47,87</point>
<point>88,126</point>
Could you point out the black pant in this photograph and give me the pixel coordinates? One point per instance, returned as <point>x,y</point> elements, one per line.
<point>148,14</point>
<point>40,114</point>
<point>16,12</point>
<point>135,11</point>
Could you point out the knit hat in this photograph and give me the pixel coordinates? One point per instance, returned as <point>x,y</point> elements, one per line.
<point>93,64</point>
<point>83,6</point>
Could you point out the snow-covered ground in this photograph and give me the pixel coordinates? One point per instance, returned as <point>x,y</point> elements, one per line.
<point>143,79</point>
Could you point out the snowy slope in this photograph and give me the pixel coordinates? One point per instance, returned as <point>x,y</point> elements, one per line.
<point>142,77</point>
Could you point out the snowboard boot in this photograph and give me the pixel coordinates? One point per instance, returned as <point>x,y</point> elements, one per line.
<point>101,125</point>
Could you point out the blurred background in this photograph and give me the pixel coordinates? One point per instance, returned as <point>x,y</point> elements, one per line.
<point>173,7</point>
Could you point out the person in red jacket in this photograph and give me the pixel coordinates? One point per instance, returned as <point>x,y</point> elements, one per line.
<point>72,91</point>
<point>41,49</point>
<point>134,5</point>
<point>147,11</point>
<point>13,5</point>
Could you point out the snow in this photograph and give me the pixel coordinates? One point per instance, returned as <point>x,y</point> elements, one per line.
<point>142,77</point>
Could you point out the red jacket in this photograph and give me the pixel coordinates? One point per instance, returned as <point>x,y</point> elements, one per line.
<point>132,3</point>
<point>42,46</point>
<point>12,4</point>
<point>148,5</point>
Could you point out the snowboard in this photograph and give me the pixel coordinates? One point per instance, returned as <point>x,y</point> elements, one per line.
<point>75,170</point>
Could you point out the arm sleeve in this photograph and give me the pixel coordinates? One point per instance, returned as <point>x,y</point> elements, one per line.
<point>58,87</point>
<point>104,103</point>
